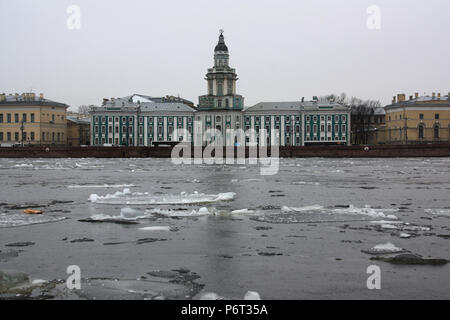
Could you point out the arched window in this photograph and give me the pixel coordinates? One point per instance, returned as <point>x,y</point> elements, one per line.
<point>421,130</point>
<point>436,132</point>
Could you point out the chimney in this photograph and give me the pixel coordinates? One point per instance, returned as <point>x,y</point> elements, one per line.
<point>439,95</point>
<point>416,95</point>
<point>2,97</point>
<point>433,95</point>
<point>41,96</point>
<point>410,97</point>
<point>401,97</point>
<point>394,100</point>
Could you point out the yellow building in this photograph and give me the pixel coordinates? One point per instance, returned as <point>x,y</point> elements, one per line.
<point>78,131</point>
<point>27,119</point>
<point>419,119</point>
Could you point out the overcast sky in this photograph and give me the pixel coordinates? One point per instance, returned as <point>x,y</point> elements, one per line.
<point>282,50</point>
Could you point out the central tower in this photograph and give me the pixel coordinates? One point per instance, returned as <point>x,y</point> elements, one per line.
<point>221,82</point>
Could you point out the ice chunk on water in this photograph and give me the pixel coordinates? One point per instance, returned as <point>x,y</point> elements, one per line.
<point>138,198</point>
<point>176,213</point>
<point>242,211</point>
<point>367,211</point>
<point>384,248</point>
<point>252,295</point>
<point>158,228</point>
<point>302,209</point>
<point>106,186</point>
<point>18,220</point>
<point>125,214</point>
<point>439,212</point>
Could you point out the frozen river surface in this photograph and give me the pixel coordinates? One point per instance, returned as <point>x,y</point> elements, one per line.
<point>148,229</point>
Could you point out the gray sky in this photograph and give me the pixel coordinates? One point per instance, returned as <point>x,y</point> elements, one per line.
<point>282,50</point>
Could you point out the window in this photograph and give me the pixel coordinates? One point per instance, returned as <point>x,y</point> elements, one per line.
<point>421,130</point>
<point>436,116</point>
<point>227,103</point>
<point>1,117</point>
<point>421,116</point>
<point>117,129</point>
<point>1,136</point>
<point>53,118</point>
<point>124,129</point>
<point>308,128</point>
<point>436,132</point>
<point>219,103</point>
<point>16,117</point>
<point>32,117</point>
<point>59,136</point>
<point>103,129</point>
<point>9,136</point>
<point>277,119</point>
<point>141,119</point>
<point>308,118</point>
<point>329,118</point>
<point>53,136</point>
<point>322,128</point>
<point>218,119</point>
<point>329,128</point>
<point>315,118</point>
<point>297,129</point>
<point>43,136</point>
<point>344,118</point>
<point>315,129</point>
<point>124,119</point>
<point>336,128</point>
<point>130,130</point>
<point>336,118</point>
<point>16,136</point>
<point>141,129</point>
<point>288,129</point>
<point>32,136</point>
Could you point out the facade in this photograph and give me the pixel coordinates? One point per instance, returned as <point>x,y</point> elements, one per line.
<point>423,119</point>
<point>139,120</point>
<point>78,131</point>
<point>28,119</point>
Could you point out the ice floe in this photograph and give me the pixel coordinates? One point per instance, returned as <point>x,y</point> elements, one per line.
<point>138,198</point>
<point>367,211</point>
<point>439,212</point>
<point>19,220</point>
<point>302,209</point>
<point>106,186</point>
<point>252,295</point>
<point>180,214</point>
<point>156,228</point>
<point>125,214</point>
<point>384,248</point>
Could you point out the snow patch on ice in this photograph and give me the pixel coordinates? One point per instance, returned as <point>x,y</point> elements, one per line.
<point>302,209</point>
<point>159,228</point>
<point>439,212</point>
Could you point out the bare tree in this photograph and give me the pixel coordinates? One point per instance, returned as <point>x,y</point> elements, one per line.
<point>84,109</point>
<point>362,114</point>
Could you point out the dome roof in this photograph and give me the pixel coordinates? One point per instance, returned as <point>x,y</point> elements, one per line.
<point>221,45</point>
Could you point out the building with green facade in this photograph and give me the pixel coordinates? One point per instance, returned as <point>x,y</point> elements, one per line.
<point>139,120</point>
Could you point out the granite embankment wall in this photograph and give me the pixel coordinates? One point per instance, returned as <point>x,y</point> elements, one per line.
<point>382,151</point>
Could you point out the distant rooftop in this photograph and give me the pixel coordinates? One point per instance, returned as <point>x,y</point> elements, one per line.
<point>28,98</point>
<point>295,105</point>
<point>135,100</point>
<point>402,99</point>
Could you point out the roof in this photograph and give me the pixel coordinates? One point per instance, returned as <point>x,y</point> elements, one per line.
<point>221,45</point>
<point>424,101</point>
<point>166,106</point>
<point>79,120</point>
<point>295,105</point>
<point>269,106</point>
<point>29,99</point>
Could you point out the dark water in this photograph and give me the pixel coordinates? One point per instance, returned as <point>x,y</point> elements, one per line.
<point>301,237</point>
